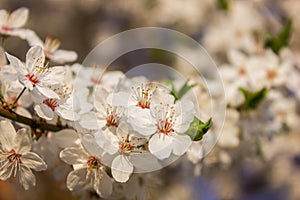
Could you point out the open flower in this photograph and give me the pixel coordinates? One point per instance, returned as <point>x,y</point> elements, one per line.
<point>121,147</point>
<point>51,49</point>
<point>166,126</point>
<point>34,75</point>
<point>11,23</point>
<point>15,156</point>
<point>88,168</point>
<point>109,110</point>
<point>47,108</point>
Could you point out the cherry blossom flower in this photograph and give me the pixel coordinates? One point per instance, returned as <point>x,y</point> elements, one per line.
<point>94,76</point>
<point>88,168</point>
<point>122,147</point>
<point>51,49</point>
<point>34,75</point>
<point>16,159</point>
<point>109,110</point>
<point>166,123</point>
<point>11,23</point>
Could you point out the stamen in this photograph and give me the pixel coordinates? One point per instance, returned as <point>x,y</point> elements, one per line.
<point>93,163</point>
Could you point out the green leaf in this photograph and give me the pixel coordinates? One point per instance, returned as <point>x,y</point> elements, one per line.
<point>178,94</point>
<point>223,4</point>
<point>198,129</point>
<point>253,99</point>
<point>281,40</point>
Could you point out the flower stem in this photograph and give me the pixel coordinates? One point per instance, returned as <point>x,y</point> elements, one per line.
<point>30,122</point>
<point>17,99</point>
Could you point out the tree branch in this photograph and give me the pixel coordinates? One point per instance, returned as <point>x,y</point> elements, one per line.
<point>30,122</point>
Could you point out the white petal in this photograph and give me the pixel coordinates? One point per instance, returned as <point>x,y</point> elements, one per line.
<point>103,185</point>
<point>121,169</point>
<point>7,135</point>
<point>62,56</point>
<point>3,17</point>
<point>21,33</point>
<point>74,155</point>
<point>161,145</point>
<point>181,144</point>
<point>118,99</point>
<point>18,17</point>
<point>33,161</point>
<point>33,39</point>
<point>22,141</point>
<point>26,177</point>
<point>6,171</point>
<point>44,111</point>
<point>100,96</point>
<point>19,66</point>
<point>47,92</point>
<point>141,120</point>
<point>107,141</point>
<point>65,138</point>
<point>76,179</point>
<point>67,113</point>
<point>91,146</point>
<point>122,131</point>
<point>90,121</point>
<point>31,56</point>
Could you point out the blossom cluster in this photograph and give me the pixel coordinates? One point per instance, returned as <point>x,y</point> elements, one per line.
<point>112,129</point>
<point>105,125</point>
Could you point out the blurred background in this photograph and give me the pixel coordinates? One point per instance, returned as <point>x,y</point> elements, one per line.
<point>270,170</point>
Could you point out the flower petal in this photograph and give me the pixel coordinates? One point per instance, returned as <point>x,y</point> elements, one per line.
<point>62,56</point>
<point>33,161</point>
<point>44,112</point>
<point>7,135</point>
<point>181,144</point>
<point>3,17</point>
<point>91,146</point>
<point>22,141</point>
<point>141,120</point>
<point>121,169</point>
<point>31,56</point>
<point>18,18</point>
<point>76,179</point>
<point>74,155</point>
<point>19,66</point>
<point>161,146</point>
<point>107,141</point>
<point>26,177</point>
<point>103,185</point>
<point>47,92</point>
<point>6,171</point>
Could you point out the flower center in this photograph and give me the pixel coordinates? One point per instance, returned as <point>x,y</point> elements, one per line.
<point>271,74</point>
<point>113,116</point>
<point>242,71</point>
<point>51,103</point>
<point>112,120</point>
<point>125,147</point>
<point>143,94</point>
<point>93,163</point>
<point>13,156</point>
<point>165,127</point>
<point>32,78</point>
<point>165,119</point>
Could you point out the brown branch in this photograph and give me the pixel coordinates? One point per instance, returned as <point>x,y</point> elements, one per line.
<point>30,122</point>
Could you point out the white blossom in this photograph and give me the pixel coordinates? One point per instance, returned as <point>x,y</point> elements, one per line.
<point>16,159</point>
